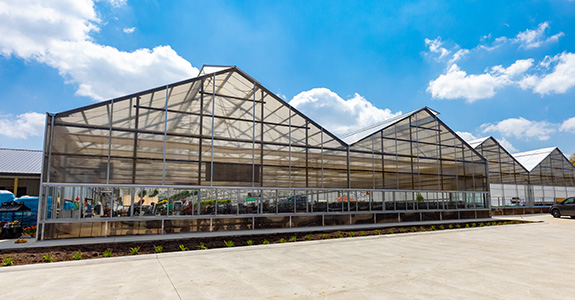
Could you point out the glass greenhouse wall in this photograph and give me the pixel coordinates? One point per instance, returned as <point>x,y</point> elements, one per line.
<point>221,152</point>
<point>534,178</point>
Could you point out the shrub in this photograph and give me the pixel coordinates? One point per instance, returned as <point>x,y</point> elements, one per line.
<point>134,251</point>
<point>458,226</point>
<point>282,240</point>
<point>308,237</point>
<point>351,234</point>
<point>391,231</point>
<point>183,248</point>
<point>339,235</point>
<point>473,224</point>
<point>441,227</point>
<point>158,249</point>
<point>7,261</point>
<point>77,255</point>
<point>413,229</point>
<point>201,246</point>
<point>450,226</point>
<point>293,238</point>
<point>421,228</point>
<point>378,232</point>
<point>466,225</point>
<point>402,230</point>
<point>481,224</point>
<point>266,242</point>
<point>107,253</point>
<point>229,243</point>
<point>48,258</point>
<point>432,228</point>
<point>499,223</point>
<point>250,242</point>
<point>362,233</point>
<point>324,236</point>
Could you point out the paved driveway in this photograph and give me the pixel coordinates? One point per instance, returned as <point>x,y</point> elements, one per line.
<point>502,262</point>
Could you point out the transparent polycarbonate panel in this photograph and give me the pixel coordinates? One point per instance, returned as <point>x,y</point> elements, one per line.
<point>121,171</point>
<point>269,202</point>
<point>97,116</point>
<point>67,168</point>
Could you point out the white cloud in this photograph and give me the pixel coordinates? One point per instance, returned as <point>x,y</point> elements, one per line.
<point>336,114</point>
<point>456,84</point>
<point>521,128</point>
<point>568,125</point>
<point>435,46</point>
<point>507,145</point>
<point>561,79</point>
<point>57,33</point>
<point>22,126</point>
<point>536,38</point>
<point>466,136</point>
<point>129,30</point>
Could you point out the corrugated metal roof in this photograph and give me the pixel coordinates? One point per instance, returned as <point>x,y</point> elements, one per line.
<point>530,159</point>
<point>20,161</point>
<point>477,142</point>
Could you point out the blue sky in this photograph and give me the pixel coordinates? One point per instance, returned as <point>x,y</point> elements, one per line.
<point>491,68</point>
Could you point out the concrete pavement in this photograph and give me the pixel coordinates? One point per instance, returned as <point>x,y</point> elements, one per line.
<point>527,261</point>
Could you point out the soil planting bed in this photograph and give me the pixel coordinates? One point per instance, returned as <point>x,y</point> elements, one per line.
<point>65,253</point>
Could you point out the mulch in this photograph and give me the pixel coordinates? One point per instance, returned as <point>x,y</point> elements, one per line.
<point>27,256</point>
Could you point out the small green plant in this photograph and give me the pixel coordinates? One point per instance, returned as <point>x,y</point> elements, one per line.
<point>308,237</point>
<point>441,227</point>
<point>378,232</point>
<point>466,225</point>
<point>413,229</point>
<point>473,225</point>
<point>158,249</point>
<point>324,236</point>
<point>339,235</point>
<point>402,230</point>
<point>351,234</point>
<point>183,248</point>
<point>432,228</point>
<point>391,231</point>
<point>282,240</point>
<point>77,255</point>
<point>481,224</point>
<point>421,228</point>
<point>201,246</point>
<point>458,226</point>
<point>450,226</point>
<point>505,223</point>
<point>134,251</point>
<point>229,243</point>
<point>250,242</point>
<point>499,223</point>
<point>362,233</point>
<point>48,258</point>
<point>293,238</point>
<point>107,253</point>
<point>266,242</point>
<point>7,261</point>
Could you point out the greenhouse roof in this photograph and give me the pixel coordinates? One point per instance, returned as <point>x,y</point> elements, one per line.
<point>475,143</point>
<point>358,135</point>
<point>530,159</point>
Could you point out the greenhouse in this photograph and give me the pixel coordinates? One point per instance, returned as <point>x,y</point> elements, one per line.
<point>220,152</point>
<point>534,178</point>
